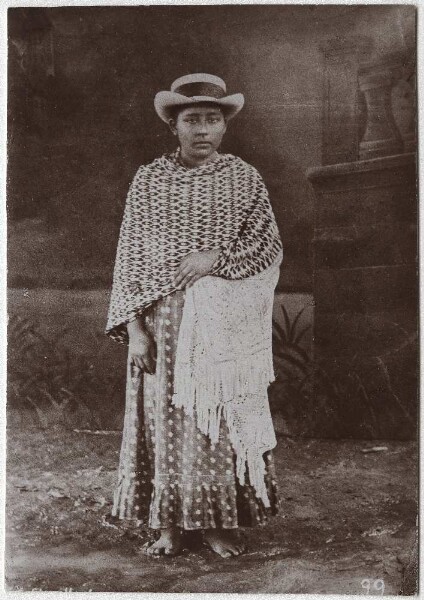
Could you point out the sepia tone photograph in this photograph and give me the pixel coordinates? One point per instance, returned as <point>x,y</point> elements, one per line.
<point>212,255</point>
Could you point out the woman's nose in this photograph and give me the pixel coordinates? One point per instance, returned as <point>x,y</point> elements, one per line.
<point>203,127</point>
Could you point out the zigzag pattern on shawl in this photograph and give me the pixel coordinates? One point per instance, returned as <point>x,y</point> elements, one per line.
<point>171,211</point>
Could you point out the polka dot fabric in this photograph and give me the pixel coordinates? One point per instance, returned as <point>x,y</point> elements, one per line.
<point>169,473</point>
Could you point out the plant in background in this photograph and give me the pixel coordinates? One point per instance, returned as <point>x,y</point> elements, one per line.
<point>61,385</point>
<point>293,382</point>
<point>64,387</point>
<point>312,400</point>
<point>292,359</point>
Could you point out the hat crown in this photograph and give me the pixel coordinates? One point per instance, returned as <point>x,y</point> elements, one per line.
<point>195,88</point>
<point>202,78</point>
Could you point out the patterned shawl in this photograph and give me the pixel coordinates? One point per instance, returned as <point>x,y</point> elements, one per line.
<point>172,210</point>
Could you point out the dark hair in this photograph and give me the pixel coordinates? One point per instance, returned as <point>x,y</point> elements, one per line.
<point>174,111</point>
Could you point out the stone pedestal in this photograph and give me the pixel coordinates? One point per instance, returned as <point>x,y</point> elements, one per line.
<point>365,290</point>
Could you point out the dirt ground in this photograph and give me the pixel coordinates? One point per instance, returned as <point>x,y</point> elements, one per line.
<point>347,523</point>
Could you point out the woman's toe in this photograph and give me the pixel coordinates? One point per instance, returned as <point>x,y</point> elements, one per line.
<point>146,548</point>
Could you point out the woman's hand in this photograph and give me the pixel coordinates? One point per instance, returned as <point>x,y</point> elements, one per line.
<point>142,349</point>
<point>194,266</point>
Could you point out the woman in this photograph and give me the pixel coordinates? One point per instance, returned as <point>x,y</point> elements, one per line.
<point>197,263</point>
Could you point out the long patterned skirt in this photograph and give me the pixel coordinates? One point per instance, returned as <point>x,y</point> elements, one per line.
<point>169,473</point>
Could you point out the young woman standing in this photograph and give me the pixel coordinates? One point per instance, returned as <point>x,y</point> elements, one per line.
<point>197,263</point>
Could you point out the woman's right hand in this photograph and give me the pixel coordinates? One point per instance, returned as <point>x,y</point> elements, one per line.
<point>142,351</point>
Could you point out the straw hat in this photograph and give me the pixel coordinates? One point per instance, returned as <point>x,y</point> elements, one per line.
<point>194,88</point>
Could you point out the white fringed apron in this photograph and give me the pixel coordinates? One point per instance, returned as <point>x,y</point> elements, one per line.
<point>224,365</point>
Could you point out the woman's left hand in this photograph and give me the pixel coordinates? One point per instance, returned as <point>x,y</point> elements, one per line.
<point>194,266</point>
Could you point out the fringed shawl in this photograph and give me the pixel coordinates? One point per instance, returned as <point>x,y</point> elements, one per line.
<point>171,211</point>
<point>224,365</point>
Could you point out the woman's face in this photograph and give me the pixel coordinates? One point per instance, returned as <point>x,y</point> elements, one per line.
<point>200,129</point>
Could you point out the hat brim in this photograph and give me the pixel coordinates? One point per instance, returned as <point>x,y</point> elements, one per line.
<point>165,101</point>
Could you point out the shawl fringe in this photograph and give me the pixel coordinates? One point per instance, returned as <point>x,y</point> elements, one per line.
<point>234,389</point>
<point>201,397</point>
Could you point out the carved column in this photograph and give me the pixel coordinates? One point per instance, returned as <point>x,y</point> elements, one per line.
<point>344,110</point>
<point>382,136</point>
<point>404,104</point>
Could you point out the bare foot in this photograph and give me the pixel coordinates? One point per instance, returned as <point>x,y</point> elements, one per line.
<point>224,542</point>
<point>169,543</point>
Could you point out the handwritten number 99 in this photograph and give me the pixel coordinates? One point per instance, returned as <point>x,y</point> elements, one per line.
<point>373,584</point>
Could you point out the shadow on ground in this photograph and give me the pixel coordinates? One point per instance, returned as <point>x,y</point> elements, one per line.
<point>347,523</point>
